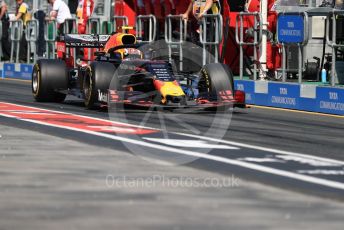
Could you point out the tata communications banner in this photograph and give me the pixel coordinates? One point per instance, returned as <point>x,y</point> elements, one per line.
<point>290,28</point>
<point>330,100</point>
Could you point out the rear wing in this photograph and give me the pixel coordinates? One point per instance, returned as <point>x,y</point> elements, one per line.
<point>85,40</point>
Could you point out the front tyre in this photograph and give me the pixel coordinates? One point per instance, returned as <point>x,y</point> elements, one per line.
<point>98,76</point>
<point>49,76</point>
<point>215,78</point>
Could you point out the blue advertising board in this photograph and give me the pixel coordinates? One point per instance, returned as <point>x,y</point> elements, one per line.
<point>9,70</point>
<point>290,28</point>
<point>330,100</point>
<point>25,71</point>
<point>307,104</point>
<point>284,95</point>
<point>248,88</point>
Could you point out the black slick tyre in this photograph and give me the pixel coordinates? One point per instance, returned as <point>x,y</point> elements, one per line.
<point>98,76</point>
<point>215,78</point>
<point>49,76</point>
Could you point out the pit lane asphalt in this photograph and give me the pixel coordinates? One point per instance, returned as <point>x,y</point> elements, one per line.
<point>311,134</point>
<point>48,182</point>
<point>62,184</point>
<point>308,134</point>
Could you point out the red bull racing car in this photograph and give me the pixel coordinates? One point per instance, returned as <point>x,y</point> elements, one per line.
<point>121,73</point>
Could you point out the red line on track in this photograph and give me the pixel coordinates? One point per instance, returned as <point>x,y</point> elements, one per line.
<point>69,120</point>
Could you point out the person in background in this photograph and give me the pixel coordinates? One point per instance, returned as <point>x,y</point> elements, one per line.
<point>234,5</point>
<point>202,7</point>
<point>60,12</point>
<point>273,54</point>
<point>6,46</point>
<point>83,12</point>
<point>73,6</point>
<point>198,9</point>
<point>140,7</point>
<point>168,7</point>
<point>22,13</point>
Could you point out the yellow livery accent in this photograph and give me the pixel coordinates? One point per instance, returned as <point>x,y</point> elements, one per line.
<point>127,27</point>
<point>170,89</point>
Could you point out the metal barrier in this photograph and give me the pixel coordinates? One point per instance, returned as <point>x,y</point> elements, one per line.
<point>73,30</point>
<point>333,44</point>
<point>1,53</point>
<point>50,34</point>
<point>169,39</point>
<point>67,29</point>
<point>124,19</point>
<point>257,39</point>
<point>106,27</point>
<point>216,23</point>
<point>31,36</point>
<point>93,26</point>
<point>16,35</point>
<point>300,46</point>
<point>140,22</point>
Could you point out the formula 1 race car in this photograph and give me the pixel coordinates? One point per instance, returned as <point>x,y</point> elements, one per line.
<point>121,74</point>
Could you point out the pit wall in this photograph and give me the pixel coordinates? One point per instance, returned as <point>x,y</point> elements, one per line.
<point>305,97</point>
<point>16,70</point>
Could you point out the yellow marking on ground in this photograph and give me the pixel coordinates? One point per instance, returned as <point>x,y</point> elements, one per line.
<point>296,111</point>
<point>13,79</point>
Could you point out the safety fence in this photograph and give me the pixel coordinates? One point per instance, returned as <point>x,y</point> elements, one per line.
<point>29,33</point>
<point>210,35</point>
<point>333,43</point>
<point>210,38</point>
<point>300,41</point>
<point>240,39</point>
<point>308,97</point>
<point>15,36</point>
<point>178,43</point>
<point>292,31</point>
<point>146,21</point>
<point>50,34</point>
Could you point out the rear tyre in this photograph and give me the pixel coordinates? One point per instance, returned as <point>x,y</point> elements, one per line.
<point>98,77</point>
<point>215,78</point>
<point>49,76</point>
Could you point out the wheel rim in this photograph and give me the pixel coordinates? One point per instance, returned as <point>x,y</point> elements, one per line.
<point>203,85</point>
<point>35,80</point>
<point>87,85</point>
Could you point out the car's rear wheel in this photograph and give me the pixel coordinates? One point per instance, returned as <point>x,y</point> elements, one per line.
<point>49,76</point>
<point>98,76</point>
<point>214,79</point>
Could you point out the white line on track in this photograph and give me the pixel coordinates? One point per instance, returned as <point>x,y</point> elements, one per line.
<point>283,173</point>
<point>309,179</point>
<point>272,150</point>
<point>265,149</point>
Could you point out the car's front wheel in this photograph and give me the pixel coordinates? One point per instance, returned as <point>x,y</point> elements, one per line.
<point>98,76</point>
<point>215,79</point>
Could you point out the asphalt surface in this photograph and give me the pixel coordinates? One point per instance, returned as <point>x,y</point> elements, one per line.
<point>53,178</point>
<point>291,131</point>
<point>43,186</point>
